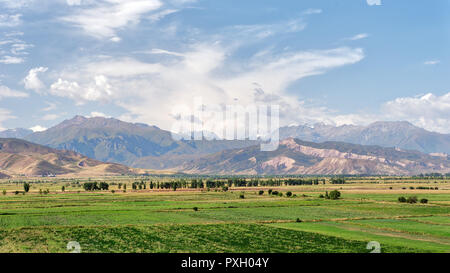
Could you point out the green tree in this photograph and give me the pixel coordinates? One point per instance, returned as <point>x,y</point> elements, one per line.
<point>334,195</point>
<point>26,187</point>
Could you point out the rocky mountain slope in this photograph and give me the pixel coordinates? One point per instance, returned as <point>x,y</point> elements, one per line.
<point>300,157</point>
<point>133,144</point>
<point>20,157</point>
<point>403,135</point>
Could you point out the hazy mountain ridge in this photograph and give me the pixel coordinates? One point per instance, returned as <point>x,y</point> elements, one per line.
<point>15,133</point>
<point>20,157</point>
<point>401,134</point>
<point>112,140</point>
<point>300,157</point>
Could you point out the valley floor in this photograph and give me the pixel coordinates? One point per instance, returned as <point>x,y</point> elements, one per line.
<point>216,221</point>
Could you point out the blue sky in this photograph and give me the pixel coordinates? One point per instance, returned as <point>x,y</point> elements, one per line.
<point>337,62</point>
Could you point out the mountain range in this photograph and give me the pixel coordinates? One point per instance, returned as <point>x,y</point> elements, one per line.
<point>331,158</point>
<point>142,146</point>
<point>20,157</point>
<point>402,134</point>
<point>132,144</point>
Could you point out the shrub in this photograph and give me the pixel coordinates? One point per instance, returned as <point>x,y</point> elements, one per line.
<point>113,191</point>
<point>270,191</point>
<point>334,195</point>
<point>242,196</point>
<point>261,192</point>
<point>402,199</point>
<point>298,220</point>
<point>390,188</point>
<point>4,192</point>
<point>195,209</point>
<point>412,200</point>
<point>411,188</point>
<point>289,194</point>
<point>63,188</point>
<point>225,188</point>
<point>321,196</point>
<point>280,194</point>
<point>274,192</point>
<point>423,200</point>
<point>16,192</point>
<point>26,187</point>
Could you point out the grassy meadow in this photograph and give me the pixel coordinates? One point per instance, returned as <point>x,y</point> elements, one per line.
<point>236,219</point>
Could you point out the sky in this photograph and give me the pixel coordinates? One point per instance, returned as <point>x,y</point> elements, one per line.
<point>328,61</point>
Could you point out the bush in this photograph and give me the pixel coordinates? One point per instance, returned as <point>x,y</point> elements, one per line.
<point>26,187</point>
<point>334,195</point>
<point>261,192</point>
<point>280,194</point>
<point>270,191</point>
<point>321,196</point>
<point>195,208</point>
<point>390,188</point>
<point>16,192</point>
<point>63,188</point>
<point>113,191</point>
<point>298,220</point>
<point>289,194</point>
<point>412,200</point>
<point>274,192</point>
<point>225,188</point>
<point>411,188</point>
<point>242,196</point>
<point>4,192</point>
<point>402,199</point>
<point>423,200</point>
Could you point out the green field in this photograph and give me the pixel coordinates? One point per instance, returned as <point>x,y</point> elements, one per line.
<point>166,221</point>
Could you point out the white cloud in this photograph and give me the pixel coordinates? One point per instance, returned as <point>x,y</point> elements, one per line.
<point>98,114</point>
<point>150,91</point>
<point>5,115</point>
<point>359,37</point>
<point>103,18</point>
<point>98,90</point>
<point>50,117</point>
<point>74,2</point>
<point>32,80</point>
<point>374,2</point>
<point>11,60</point>
<point>38,128</point>
<point>5,92</point>
<point>10,20</point>
<point>431,62</point>
<point>312,11</point>
<point>15,4</point>
<point>51,106</point>
<point>428,111</point>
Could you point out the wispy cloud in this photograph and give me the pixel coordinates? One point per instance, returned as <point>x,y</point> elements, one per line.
<point>102,19</point>
<point>10,20</point>
<point>432,62</point>
<point>358,37</point>
<point>6,92</point>
<point>11,60</point>
<point>312,11</point>
<point>374,2</point>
